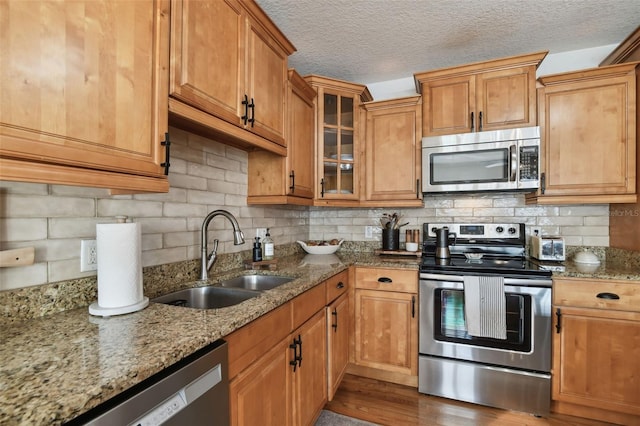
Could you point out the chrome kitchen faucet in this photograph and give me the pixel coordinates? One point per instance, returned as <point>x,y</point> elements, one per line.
<point>207,260</point>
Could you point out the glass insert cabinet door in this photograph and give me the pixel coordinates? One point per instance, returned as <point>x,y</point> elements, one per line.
<point>338,166</point>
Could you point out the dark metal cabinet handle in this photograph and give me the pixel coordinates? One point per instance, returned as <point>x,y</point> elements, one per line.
<point>610,296</point>
<point>340,285</point>
<point>335,323</point>
<point>413,306</point>
<point>543,183</point>
<point>385,280</point>
<point>558,316</point>
<point>252,105</point>
<point>418,188</point>
<point>294,361</point>
<point>167,144</point>
<point>245,117</point>
<point>292,176</point>
<point>473,126</point>
<point>322,187</point>
<point>297,353</point>
<point>480,121</point>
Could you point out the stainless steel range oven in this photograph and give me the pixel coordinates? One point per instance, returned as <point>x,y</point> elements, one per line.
<point>511,371</point>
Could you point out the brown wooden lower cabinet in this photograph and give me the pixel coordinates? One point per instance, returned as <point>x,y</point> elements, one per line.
<point>278,364</point>
<point>596,353</point>
<point>386,325</point>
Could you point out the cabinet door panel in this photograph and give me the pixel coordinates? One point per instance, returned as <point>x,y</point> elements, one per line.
<point>267,79</point>
<point>587,146</point>
<point>338,326</point>
<point>262,394</point>
<point>311,378</point>
<point>392,150</point>
<point>598,361</point>
<point>386,331</point>
<point>208,67</point>
<point>301,147</point>
<point>506,98</point>
<point>448,106</point>
<point>81,85</point>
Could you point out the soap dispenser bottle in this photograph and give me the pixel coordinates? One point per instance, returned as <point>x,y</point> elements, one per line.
<point>257,251</point>
<point>267,244</point>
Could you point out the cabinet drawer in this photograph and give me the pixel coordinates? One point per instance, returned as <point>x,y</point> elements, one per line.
<point>587,293</point>
<point>306,305</point>
<point>250,342</point>
<point>403,280</point>
<point>337,285</point>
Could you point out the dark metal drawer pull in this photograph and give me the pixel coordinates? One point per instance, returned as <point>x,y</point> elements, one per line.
<point>385,280</point>
<point>611,296</point>
<point>340,285</point>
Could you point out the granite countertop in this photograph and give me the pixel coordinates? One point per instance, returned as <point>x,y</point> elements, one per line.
<point>57,367</point>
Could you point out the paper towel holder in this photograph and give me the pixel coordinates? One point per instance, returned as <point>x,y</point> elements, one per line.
<point>111,298</point>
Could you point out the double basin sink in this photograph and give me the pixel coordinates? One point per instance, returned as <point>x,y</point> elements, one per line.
<point>229,293</point>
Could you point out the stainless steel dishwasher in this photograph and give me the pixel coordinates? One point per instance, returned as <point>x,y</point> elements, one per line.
<point>194,391</point>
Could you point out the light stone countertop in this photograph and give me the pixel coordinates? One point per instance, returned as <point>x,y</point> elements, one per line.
<point>56,367</point>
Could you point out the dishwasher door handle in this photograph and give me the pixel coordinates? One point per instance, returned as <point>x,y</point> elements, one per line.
<point>202,384</point>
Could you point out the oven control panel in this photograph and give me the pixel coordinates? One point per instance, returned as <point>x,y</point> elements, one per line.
<point>480,231</point>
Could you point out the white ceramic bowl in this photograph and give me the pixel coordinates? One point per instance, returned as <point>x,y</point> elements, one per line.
<point>586,257</point>
<point>330,249</point>
<point>411,246</point>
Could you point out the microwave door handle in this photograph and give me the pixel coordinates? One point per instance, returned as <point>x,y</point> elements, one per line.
<point>513,163</point>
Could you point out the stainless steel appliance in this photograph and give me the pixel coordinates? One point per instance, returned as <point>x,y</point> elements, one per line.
<point>499,160</point>
<point>547,248</point>
<point>511,373</point>
<point>442,243</point>
<point>194,391</point>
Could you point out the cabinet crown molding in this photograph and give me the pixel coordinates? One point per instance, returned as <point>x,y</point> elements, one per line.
<point>480,67</point>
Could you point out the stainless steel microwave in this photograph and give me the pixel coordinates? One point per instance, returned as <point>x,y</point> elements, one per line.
<point>499,160</point>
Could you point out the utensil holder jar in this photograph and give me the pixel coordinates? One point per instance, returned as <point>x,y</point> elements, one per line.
<point>390,239</point>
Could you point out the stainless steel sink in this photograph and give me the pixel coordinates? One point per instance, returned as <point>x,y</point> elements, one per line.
<point>208,297</point>
<point>256,282</point>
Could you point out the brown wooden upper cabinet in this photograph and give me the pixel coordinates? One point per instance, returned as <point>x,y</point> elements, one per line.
<point>273,179</point>
<point>491,95</point>
<point>393,151</point>
<point>229,67</point>
<point>84,93</point>
<point>339,140</point>
<point>588,135</point>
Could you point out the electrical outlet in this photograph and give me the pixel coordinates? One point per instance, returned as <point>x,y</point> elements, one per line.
<point>261,233</point>
<point>368,231</point>
<point>88,255</point>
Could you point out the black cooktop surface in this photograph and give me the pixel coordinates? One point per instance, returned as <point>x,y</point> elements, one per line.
<point>506,267</point>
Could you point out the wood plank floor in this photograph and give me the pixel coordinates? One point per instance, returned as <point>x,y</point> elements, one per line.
<point>391,404</point>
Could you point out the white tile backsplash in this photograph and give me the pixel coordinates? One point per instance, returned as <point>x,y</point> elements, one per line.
<point>205,176</point>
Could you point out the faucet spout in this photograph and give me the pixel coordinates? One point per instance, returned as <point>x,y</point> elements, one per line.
<point>206,259</point>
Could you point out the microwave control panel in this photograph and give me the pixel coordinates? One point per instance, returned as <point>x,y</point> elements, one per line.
<point>529,156</point>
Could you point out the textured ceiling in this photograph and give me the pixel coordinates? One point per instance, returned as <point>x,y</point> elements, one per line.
<point>370,41</point>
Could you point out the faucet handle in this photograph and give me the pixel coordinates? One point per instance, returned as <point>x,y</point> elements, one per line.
<point>213,255</point>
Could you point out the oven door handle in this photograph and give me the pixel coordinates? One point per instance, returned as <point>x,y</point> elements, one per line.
<point>529,282</point>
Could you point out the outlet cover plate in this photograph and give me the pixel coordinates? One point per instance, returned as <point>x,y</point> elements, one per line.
<point>88,255</point>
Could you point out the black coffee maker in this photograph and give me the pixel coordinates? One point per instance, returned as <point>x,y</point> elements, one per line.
<point>442,242</point>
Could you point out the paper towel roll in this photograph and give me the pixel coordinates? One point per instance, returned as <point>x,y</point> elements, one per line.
<point>119,269</point>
